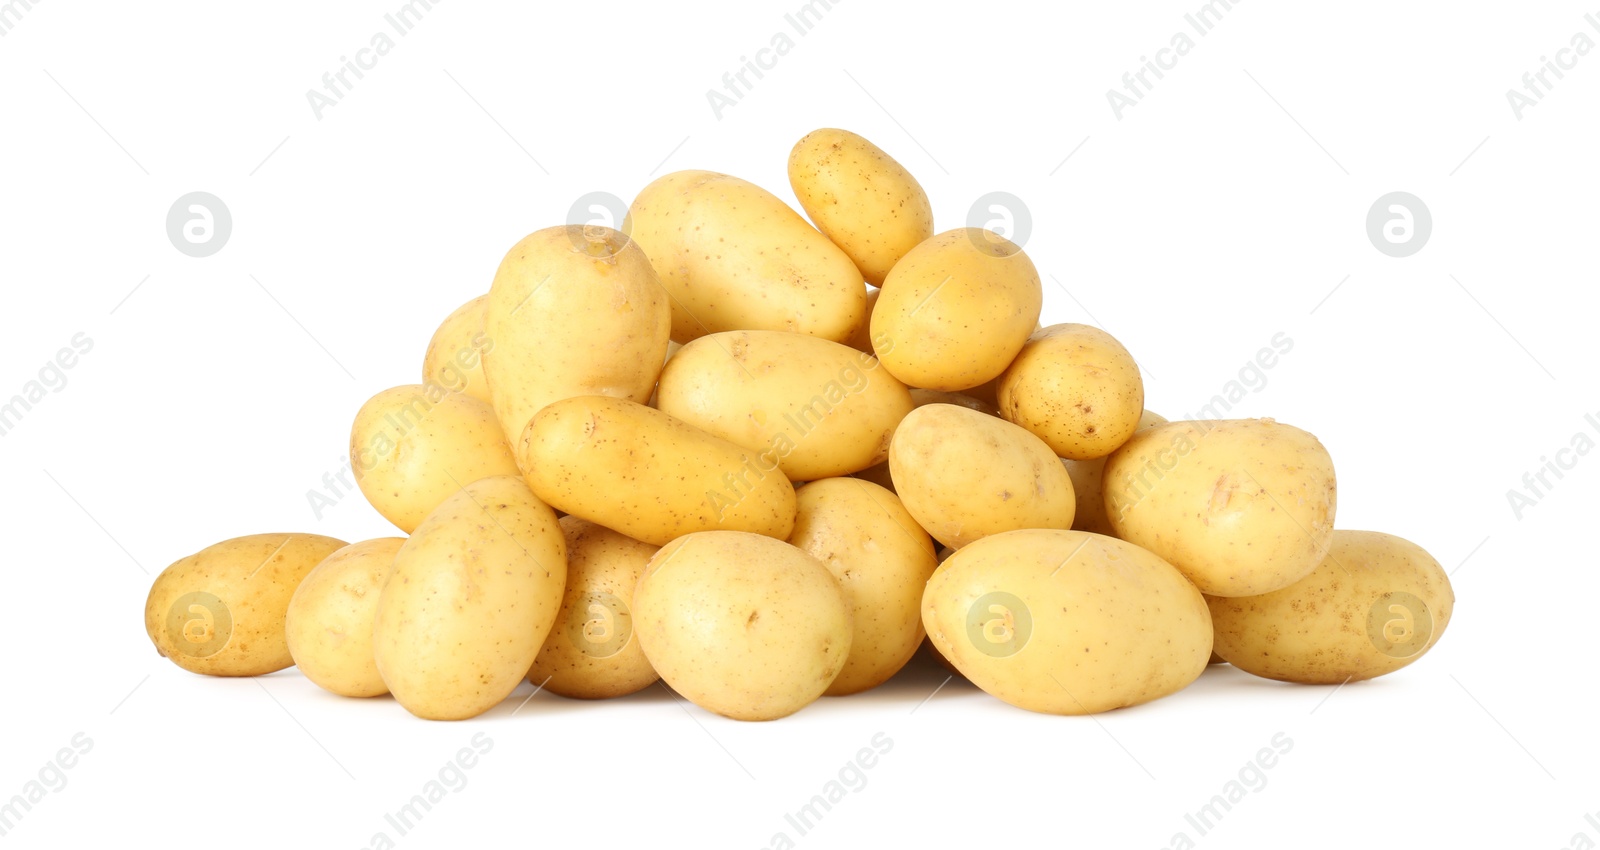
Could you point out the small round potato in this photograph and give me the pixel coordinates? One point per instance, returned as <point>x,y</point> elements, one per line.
<point>329,622</point>
<point>741,624</point>
<point>592,651</point>
<point>1077,388</point>
<point>1375,604</point>
<point>1087,480</point>
<point>860,198</point>
<point>882,559</point>
<point>455,354</point>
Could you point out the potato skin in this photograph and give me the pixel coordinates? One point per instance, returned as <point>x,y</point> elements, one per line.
<point>860,198</point>
<point>1242,506</point>
<point>574,310</point>
<point>822,408</point>
<point>955,311</point>
<point>741,624</point>
<point>650,476</point>
<point>329,622</point>
<point>1067,622</point>
<point>736,257</point>
<point>965,475</point>
<point>593,649</point>
<point>1375,604</point>
<point>220,611</point>
<point>473,594</point>
<point>454,359</point>
<point>1088,478</point>
<point>1076,388</point>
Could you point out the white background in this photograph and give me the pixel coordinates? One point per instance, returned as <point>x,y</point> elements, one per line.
<point>1225,208</point>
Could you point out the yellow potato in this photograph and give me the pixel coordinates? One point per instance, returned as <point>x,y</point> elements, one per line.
<point>822,409</point>
<point>220,611</point>
<point>1077,388</point>
<point>472,596</point>
<point>741,624</point>
<point>1242,506</point>
<point>1087,480</point>
<point>1375,604</point>
<point>881,559</point>
<point>736,257</point>
<point>455,354</point>
<point>413,446</point>
<point>574,310</point>
<point>956,310</point>
<point>592,651</point>
<point>1067,622</point>
<point>329,621</point>
<point>650,476</point>
<point>965,475</point>
<point>860,198</point>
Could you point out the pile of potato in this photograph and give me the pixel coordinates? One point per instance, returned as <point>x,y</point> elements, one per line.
<point>723,446</point>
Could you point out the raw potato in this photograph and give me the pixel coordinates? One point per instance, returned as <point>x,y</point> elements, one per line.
<point>454,359</point>
<point>413,446</point>
<point>1375,604</point>
<point>743,625</point>
<point>1066,622</point>
<point>860,198</point>
<point>881,559</point>
<point>472,597</point>
<point>1242,506</point>
<point>956,310</point>
<point>329,621</point>
<point>593,651</point>
<point>1077,388</point>
<point>1087,485</point>
<point>648,475</point>
<point>736,257</point>
<point>965,475</point>
<point>220,611</point>
<point>819,409</point>
<point>574,310</point>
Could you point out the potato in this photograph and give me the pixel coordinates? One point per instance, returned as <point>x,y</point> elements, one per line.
<point>574,310</point>
<point>472,596</point>
<point>592,651</point>
<point>861,340</point>
<point>881,559</point>
<point>736,257</point>
<point>1375,604</point>
<point>1242,507</point>
<point>820,408</point>
<point>648,475</point>
<point>965,475</point>
<point>413,446</point>
<point>329,621</point>
<point>455,354</point>
<point>1075,387</point>
<point>860,198</point>
<point>956,310</point>
<point>220,611</point>
<point>1087,485</point>
<point>741,624</point>
<point>1067,622</point>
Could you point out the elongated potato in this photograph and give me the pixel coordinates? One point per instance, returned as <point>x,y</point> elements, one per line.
<point>1066,622</point>
<point>1088,478</point>
<point>860,198</point>
<point>454,359</point>
<point>220,611</point>
<point>649,475</point>
<point>329,621</point>
<point>1075,387</point>
<point>473,594</point>
<point>574,310</point>
<point>1242,507</point>
<point>411,447</point>
<point>1375,604</point>
<point>821,408</point>
<point>965,475</point>
<point>736,257</point>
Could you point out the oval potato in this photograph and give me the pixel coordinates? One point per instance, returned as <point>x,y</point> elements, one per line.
<point>1076,388</point>
<point>860,198</point>
<point>329,621</point>
<point>454,359</point>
